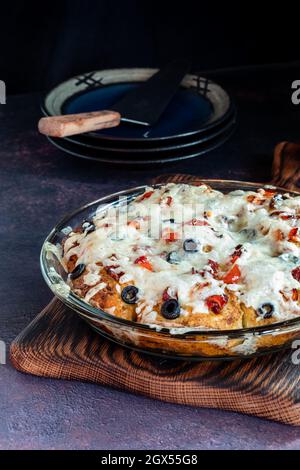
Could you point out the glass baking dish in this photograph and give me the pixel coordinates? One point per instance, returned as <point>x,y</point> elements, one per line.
<point>195,344</point>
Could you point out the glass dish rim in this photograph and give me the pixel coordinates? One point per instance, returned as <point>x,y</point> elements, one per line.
<point>73,301</point>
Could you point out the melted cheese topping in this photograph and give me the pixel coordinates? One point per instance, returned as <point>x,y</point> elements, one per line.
<point>255,232</point>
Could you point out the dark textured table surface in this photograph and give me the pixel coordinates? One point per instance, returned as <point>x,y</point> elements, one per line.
<point>39,184</point>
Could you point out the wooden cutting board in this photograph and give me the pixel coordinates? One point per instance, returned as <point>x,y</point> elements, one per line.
<point>58,344</point>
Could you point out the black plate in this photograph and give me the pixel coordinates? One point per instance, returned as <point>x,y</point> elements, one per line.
<point>198,106</point>
<point>177,145</point>
<point>141,159</point>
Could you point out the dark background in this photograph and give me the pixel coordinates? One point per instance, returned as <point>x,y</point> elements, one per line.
<point>42,43</point>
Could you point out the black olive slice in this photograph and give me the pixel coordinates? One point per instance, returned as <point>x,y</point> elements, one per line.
<point>129,294</point>
<point>276,201</point>
<point>88,226</point>
<point>190,246</point>
<point>170,309</point>
<point>79,269</point>
<point>173,257</point>
<point>266,310</point>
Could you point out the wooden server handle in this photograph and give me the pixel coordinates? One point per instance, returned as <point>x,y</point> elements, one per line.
<point>286,165</point>
<point>71,124</point>
<point>285,169</point>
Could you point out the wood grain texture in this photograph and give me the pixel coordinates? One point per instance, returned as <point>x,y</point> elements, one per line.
<point>285,169</point>
<point>59,344</point>
<point>73,124</point>
<point>286,165</point>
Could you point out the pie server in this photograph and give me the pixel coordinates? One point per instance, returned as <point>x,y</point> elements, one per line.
<point>143,106</point>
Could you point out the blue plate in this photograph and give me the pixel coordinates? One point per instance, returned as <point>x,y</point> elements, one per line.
<point>176,145</point>
<point>186,113</point>
<point>198,106</point>
<point>141,160</point>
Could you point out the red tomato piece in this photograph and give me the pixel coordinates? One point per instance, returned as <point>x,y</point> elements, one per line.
<point>295,295</point>
<point>287,216</point>
<point>255,200</point>
<point>296,274</point>
<point>146,195</point>
<point>269,192</point>
<point>144,263</point>
<point>214,265</point>
<point>233,276</point>
<point>216,302</point>
<point>170,236</point>
<point>293,234</point>
<point>167,296</point>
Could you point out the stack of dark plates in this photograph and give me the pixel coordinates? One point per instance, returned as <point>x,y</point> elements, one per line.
<point>200,118</point>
